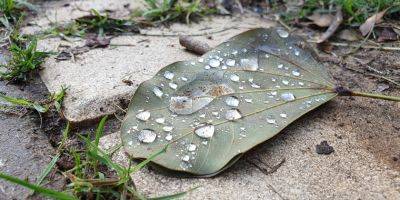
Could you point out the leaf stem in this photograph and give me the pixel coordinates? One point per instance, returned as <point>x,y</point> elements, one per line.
<point>376,96</point>
<point>346,92</point>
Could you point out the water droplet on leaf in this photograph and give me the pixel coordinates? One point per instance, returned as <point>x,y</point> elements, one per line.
<point>157,91</point>
<point>282,33</point>
<point>144,115</point>
<point>169,75</point>
<point>232,114</point>
<point>147,136</point>
<point>214,63</point>
<point>232,101</point>
<point>287,96</point>
<point>205,131</point>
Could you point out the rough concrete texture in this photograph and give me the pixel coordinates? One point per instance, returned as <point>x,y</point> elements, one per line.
<point>351,172</point>
<point>24,148</point>
<point>97,79</point>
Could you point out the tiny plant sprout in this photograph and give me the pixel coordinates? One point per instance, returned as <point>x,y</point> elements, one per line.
<point>233,98</point>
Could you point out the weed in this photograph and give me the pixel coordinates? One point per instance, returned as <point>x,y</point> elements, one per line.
<point>58,97</point>
<point>24,103</point>
<point>12,10</point>
<point>25,59</point>
<point>355,11</point>
<point>91,177</point>
<point>175,10</point>
<point>104,24</point>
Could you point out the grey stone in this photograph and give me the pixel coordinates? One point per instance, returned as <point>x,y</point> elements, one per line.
<point>24,148</point>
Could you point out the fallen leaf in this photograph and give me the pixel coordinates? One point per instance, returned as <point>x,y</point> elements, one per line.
<point>349,35</point>
<point>333,27</point>
<point>212,109</point>
<point>369,24</point>
<point>321,20</point>
<point>387,34</point>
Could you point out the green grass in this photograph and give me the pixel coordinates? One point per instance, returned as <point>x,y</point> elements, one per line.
<point>58,97</point>
<point>175,10</point>
<point>24,103</point>
<point>91,177</point>
<point>100,24</point>
<point>12,10</point>
<point>25,58</point>
<point>355,11</point>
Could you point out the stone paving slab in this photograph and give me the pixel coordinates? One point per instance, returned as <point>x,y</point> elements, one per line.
<point>351,172</point>
<point>97,79</point>
<point>24,148</point>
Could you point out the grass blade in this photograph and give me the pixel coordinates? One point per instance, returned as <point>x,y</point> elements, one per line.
<point>100,131</point>
<point>139,166</point>
<point>48,169</point>
<point>173,196</point>
<point>44,191</point>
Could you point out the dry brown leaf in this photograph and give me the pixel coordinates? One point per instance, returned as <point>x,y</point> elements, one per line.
<point>333,27</point>
<point>321,20</point>
<point>369,24</point>
<point>348,35</point>
<point>387,34</point>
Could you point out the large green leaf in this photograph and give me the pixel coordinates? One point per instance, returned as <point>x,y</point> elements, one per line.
<point>212,109</point>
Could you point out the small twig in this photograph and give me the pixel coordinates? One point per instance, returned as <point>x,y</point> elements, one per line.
<point>279,20</point>
<point>341,44</point>
<point>333,27</point>
<point>193,45</point>
<point>194,34</point>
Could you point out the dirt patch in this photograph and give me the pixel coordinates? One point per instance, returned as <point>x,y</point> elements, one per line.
<point>374,123</point>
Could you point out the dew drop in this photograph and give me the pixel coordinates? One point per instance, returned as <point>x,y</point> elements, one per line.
<point>160,120</point>
<point>192,147</point>
<point>201,60</point>
<point>285,82</point>
<point>168,137</point>
<point>230,62</point>
<point>184,78</point>
<point>207,67</point>
<point>271,121</point>
<point>214,63</point>
<point>173,85</point>
<point>296,52</point>
<point>296,72</point>
<point>254,85</point>
<point>232,114</point>
<point>169,75</point>
<point>186,158</point>
<point>144,115</point>
<point>234,78</point>
<point>287,96</point>
<point>283,115</point>
<point>157,91</point>
<point>205,131</point>
<point>168,128</point>
<point>147,136</point>
<point>280,66</point>
<point>232,101</point>
<point>250,64</point>
<point>282,33</point>
<point>248,100</point>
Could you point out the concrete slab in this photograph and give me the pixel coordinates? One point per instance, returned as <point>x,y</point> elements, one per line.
<point>351,172</point>
<point>24,148</point>
<point>97,79</point>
